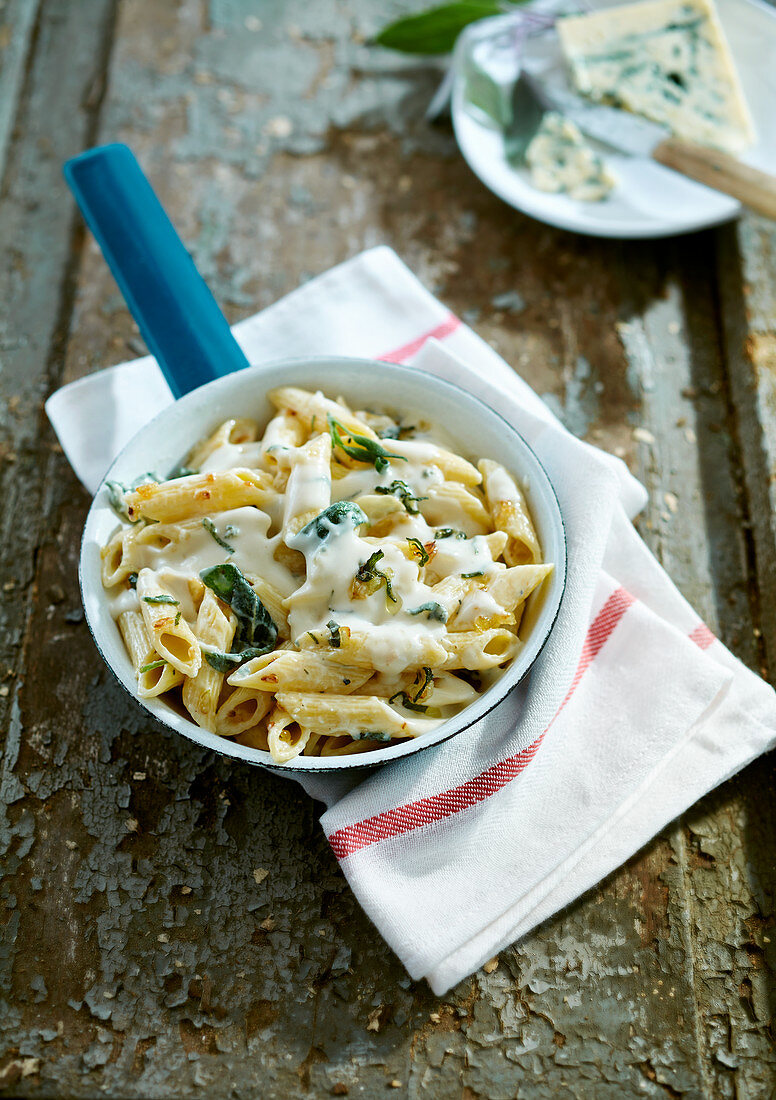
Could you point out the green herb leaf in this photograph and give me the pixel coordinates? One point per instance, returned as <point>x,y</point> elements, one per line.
<point>420,550</point>
<point>148,478</point>
<point>435,31</point>
<point>224,662</point>
<point>405,701</point>
<point>527,115</point>
<point>433,610</point>
<point>117,502</point>
<point>334,634</point>
<point>428,678</point>
<point>490,97</point>
<point>132,579</point>
<point>449,533</point>
<point>210,527</point>
<point>343,513</point>
<point>153,664</point>
<point>367,571</point>
<point>161,598</point>
<point>402,490</point>
<point>256,632</point>
<point>371,577</point>
<point>476,573</point>
<point>361,447</point>
<point>411,701</point>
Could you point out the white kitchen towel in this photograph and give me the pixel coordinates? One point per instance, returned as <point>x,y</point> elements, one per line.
<point>632,712</point>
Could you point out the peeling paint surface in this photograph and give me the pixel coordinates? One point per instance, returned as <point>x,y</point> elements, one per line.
<point>174,924</point>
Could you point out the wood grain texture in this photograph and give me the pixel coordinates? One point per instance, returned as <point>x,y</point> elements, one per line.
<point>147,952</point>
<point>753,188</point>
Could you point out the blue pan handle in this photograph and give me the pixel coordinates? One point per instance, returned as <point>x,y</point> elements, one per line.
<point>178,316</point>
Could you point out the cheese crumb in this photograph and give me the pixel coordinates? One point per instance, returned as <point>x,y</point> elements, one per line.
<point>561,161</point>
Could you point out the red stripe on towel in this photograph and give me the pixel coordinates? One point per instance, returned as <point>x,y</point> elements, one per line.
<point>450,324</point>
<point>426,811</point>
<point>702,636</point>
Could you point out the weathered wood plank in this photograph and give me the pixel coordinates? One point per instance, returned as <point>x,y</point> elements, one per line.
<point>53,122</point>
<point>694,522</point>
<point>16,31</point>
<point>746,264</point>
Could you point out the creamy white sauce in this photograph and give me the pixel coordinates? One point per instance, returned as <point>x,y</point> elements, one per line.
<point>229,455</point>
<point>477,604</point>
<point>196,549</point>
<point>123,599</point>
<point>390,638</point>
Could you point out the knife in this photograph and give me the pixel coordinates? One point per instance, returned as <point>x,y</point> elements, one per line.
<point>638,137</point>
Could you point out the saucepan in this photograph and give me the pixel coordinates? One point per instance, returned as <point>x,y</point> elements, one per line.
<point>213,382</point>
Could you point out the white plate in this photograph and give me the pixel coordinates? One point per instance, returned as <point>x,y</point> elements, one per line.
<point>649,200</point>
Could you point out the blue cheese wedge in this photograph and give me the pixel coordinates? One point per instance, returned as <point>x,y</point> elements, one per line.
<point>560,160</point>
<point>665,59</point>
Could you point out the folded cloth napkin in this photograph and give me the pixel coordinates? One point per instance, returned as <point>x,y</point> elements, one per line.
<point>632,712</point>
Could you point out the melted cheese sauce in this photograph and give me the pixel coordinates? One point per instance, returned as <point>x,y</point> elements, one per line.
<point>319,568</point>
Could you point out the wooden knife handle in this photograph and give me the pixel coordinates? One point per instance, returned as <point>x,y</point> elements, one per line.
<point>750,186</point>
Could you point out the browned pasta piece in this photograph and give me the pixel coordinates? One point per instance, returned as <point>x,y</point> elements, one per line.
<point>354,715</point>
<point>234,431</point>
<point>254,738</point>
<point>290,671</point>
<point>241,709</point>
<point>172,637</point>
<point>154,675</point>
<point>215,627</point>
<point>285,737</point>
<point>476,650</point>
<point>199,495</point>
<point>314,409</point>
<point>510,514</point>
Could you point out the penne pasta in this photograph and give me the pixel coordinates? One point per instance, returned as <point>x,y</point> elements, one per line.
<point>290,671</point>
<point>241,710</point>
<point>314,407</point>
<point>324,588</point>
<point>353,715</point>
<point>308,490</point>
<point>510,514</point>
<point>286,738</point>
<point>475,650</point>
<point>171,636</point>
<point>215,628</point>
<point>231,432</point>
<point>199,495</point>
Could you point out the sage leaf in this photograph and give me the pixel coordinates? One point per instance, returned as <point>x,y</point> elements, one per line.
<point>433,610</point>
<point>343,513</point>
<point>210,527</point>
<point>256,633</point>
<point>435,31</point>
<point>361,447</point>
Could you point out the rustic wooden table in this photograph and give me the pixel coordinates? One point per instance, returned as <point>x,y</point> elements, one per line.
<point>146,950</point>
